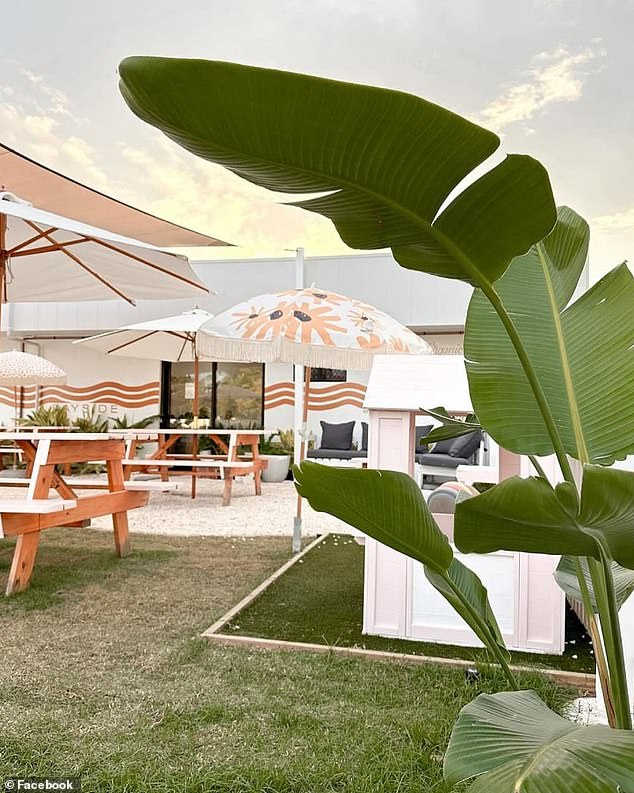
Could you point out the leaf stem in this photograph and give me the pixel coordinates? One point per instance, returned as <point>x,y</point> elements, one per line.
<point>537,466</point>
<point>605,593</point>
<point>484,629</point>
<point>599,652</point>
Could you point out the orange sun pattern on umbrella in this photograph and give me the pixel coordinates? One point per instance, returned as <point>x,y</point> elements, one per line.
<point>316,317</point>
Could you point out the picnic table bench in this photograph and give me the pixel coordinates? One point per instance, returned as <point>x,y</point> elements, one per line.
<point>51,501</point>
<point>226,467</point>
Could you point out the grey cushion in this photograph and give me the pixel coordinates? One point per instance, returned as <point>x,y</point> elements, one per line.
<point>421,448</point>
<point>465,445</point>
<point>337,436</point>
<point>336,454</point>
<point>444,460</point>
<point>443,447</point>
<point>364,436</point>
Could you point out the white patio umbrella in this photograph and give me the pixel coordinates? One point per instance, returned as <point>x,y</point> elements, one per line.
<point>18,369</point>
<point>47,257</point>
<point>311,327</point>
<point>166,339</point>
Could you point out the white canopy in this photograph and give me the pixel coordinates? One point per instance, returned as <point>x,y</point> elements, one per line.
<point>164,339</point>
<point>48,257</point>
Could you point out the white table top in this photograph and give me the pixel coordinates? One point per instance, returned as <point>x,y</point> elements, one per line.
<point>58,436</point>
<point>187,431</point>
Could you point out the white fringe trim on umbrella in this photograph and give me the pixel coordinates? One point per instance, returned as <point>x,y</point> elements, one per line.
<point>281,350</point>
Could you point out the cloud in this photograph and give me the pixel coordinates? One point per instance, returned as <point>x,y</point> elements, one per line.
<point>159,177</point>
<point>58,102</point>
<point>555,76</point>
<point>39,126</point>
<point>37,120</point>
<point>205,196</point>
<point>619,221</point>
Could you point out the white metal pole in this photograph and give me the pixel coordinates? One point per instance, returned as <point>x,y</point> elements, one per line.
<point>300,275</point>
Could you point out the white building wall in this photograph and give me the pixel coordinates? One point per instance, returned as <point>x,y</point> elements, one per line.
<point>415,299</point>
<point>116,386</point>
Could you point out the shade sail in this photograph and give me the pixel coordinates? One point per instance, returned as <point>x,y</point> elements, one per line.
<point>164,339</point>
<point>52,258</point>
<point>312,327</point>
<point>53,192</point>
<point>22,368</point>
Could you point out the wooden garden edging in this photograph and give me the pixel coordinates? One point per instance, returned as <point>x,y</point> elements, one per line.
<point>580,680</point>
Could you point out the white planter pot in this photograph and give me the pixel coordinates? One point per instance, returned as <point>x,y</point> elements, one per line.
<point>277,469</point>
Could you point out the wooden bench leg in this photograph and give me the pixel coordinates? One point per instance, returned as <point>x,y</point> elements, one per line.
<point>257,476</point>
<point>23,561</point>
<point>226,495</point>
<point>121,538</point>
<point>119,519</point>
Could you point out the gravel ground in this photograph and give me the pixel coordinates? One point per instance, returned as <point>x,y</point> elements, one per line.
<point>176,513</point>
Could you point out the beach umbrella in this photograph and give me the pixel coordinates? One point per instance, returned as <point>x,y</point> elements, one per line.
<point>47,257</point>
<point>312,327</point>
<point>165,339</point>
<point>18,369</point>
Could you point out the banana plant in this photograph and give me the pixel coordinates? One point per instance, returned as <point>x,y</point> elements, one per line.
<point>546,375</point>
<point>450,427</point>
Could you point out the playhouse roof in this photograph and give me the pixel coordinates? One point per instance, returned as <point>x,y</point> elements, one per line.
<point>412,382</point>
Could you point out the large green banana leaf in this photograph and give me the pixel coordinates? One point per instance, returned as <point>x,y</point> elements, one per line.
<point>390,507</point>
<point>583,353</point>
<point>450,427</point>
<point>514,744</point>
<point>383,161</point>
<point>566,577</point>
<point>530,515</point>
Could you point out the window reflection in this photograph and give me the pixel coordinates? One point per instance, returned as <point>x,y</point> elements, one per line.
<point>239,388</point>
<point>230,395</point>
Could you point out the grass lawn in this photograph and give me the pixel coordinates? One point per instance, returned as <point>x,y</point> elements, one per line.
<point>320,600</point>
<point>103,676</point>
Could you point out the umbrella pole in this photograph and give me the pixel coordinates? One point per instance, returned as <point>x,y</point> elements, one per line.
<point>195,412</point>
<point>4,257</point>
<point>297,525</point>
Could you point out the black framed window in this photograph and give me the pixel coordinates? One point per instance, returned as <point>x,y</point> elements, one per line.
<point>230,395</point>
<point>320,374</point>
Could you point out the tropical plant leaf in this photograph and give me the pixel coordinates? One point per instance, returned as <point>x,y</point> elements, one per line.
<point>566,577</point>
<point>451,426</point>
<point>384,162</point>
<point>530,515</point>
<point>514,744</point>
<point>583,353</point>
<point>386,505</point>
<point>390,507</point>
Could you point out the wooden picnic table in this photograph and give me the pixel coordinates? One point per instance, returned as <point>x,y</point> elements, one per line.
<point>226,466</point>
<point>27,517</point>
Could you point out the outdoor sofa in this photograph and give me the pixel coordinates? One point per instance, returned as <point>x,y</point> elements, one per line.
<point>444,457</point>
<point>337,444</point>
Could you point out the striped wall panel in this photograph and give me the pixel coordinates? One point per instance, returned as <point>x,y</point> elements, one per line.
<point>106,392</point>
<point>321,397</point>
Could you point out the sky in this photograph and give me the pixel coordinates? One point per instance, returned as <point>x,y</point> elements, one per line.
<point>552,77</point>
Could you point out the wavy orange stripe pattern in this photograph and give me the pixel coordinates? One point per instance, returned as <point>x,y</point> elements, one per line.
<point>108,392</point>
<point>322,397</point>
